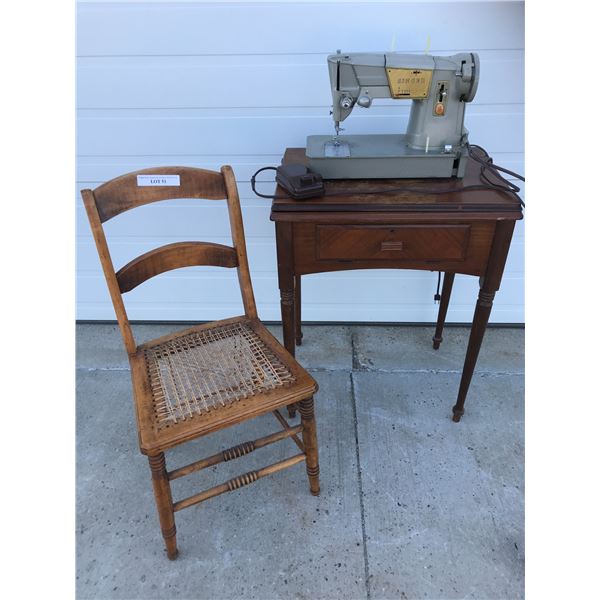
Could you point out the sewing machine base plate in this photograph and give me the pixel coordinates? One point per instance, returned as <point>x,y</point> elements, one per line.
<point>379,157</point>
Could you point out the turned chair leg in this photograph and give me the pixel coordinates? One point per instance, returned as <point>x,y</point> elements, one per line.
<point>164,503</point>
<point>309,437</point>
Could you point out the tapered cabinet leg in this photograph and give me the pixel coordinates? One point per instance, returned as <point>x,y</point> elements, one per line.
<point>443,311</point>
<point>309,437</point>
<point>164,503</point>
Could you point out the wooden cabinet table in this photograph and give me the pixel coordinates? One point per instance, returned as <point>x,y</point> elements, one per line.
<point>456,232</point>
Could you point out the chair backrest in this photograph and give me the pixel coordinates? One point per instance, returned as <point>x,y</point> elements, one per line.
<point>129,191</point>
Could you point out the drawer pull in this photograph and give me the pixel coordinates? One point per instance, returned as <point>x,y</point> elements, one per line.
<point>392,246</point>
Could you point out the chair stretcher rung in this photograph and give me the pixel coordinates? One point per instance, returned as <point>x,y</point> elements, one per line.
<point>235,452</point>
<point>286,425</point>
<point>238,482</point>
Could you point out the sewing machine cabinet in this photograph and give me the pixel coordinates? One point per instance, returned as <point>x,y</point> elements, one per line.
<point>467,232</point>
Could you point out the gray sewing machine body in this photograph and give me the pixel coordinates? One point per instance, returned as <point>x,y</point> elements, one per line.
<point>434,144</point>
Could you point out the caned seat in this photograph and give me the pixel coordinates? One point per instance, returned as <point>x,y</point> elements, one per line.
<point>211,376</point>
<point>204,370</point>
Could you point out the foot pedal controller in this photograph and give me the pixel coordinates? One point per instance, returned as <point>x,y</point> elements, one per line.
<point>299,181</point>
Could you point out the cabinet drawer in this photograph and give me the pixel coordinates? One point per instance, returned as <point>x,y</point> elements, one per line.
<point>394,242</point>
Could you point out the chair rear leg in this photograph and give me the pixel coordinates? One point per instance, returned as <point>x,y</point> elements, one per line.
<point>309,437</point>
<point>164,503</point>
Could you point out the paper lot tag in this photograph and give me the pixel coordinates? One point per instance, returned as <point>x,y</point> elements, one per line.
<point>157,180</point>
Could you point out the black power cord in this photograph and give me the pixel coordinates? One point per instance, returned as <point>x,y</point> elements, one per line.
<point>437,296</point>
<point>486,163</point>
<point>253,184</point>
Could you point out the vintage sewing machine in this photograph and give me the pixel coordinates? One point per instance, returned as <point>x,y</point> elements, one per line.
<point>434,144</point>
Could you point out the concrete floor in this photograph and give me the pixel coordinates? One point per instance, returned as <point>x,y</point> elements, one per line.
<point>412,505</point>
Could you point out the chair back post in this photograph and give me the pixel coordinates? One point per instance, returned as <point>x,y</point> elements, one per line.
<point>91,208</point>
<point>239,242</point>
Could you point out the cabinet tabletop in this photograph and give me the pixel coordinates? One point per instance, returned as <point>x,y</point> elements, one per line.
<point>458,201</point>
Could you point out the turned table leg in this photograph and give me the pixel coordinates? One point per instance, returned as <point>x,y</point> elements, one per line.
<point>488,286</point>
<point>287,320</point>
<point>285,273</point>
<point>480,320</point>
<point>164,503</point>
<point>443,310</point>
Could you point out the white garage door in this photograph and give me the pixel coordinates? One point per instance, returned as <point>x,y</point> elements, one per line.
<point>203,85</point>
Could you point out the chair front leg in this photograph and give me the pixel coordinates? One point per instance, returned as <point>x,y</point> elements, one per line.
<point>164,503</point>
<point>309,437</point>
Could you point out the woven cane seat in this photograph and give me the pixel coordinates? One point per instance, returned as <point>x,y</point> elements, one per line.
<point>209,369</point>
<point>213,373</point>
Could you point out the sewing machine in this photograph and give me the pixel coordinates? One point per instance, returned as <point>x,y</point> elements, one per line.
<point>434,144</point>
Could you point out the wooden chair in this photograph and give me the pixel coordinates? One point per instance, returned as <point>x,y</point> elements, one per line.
<point>211,376</point>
